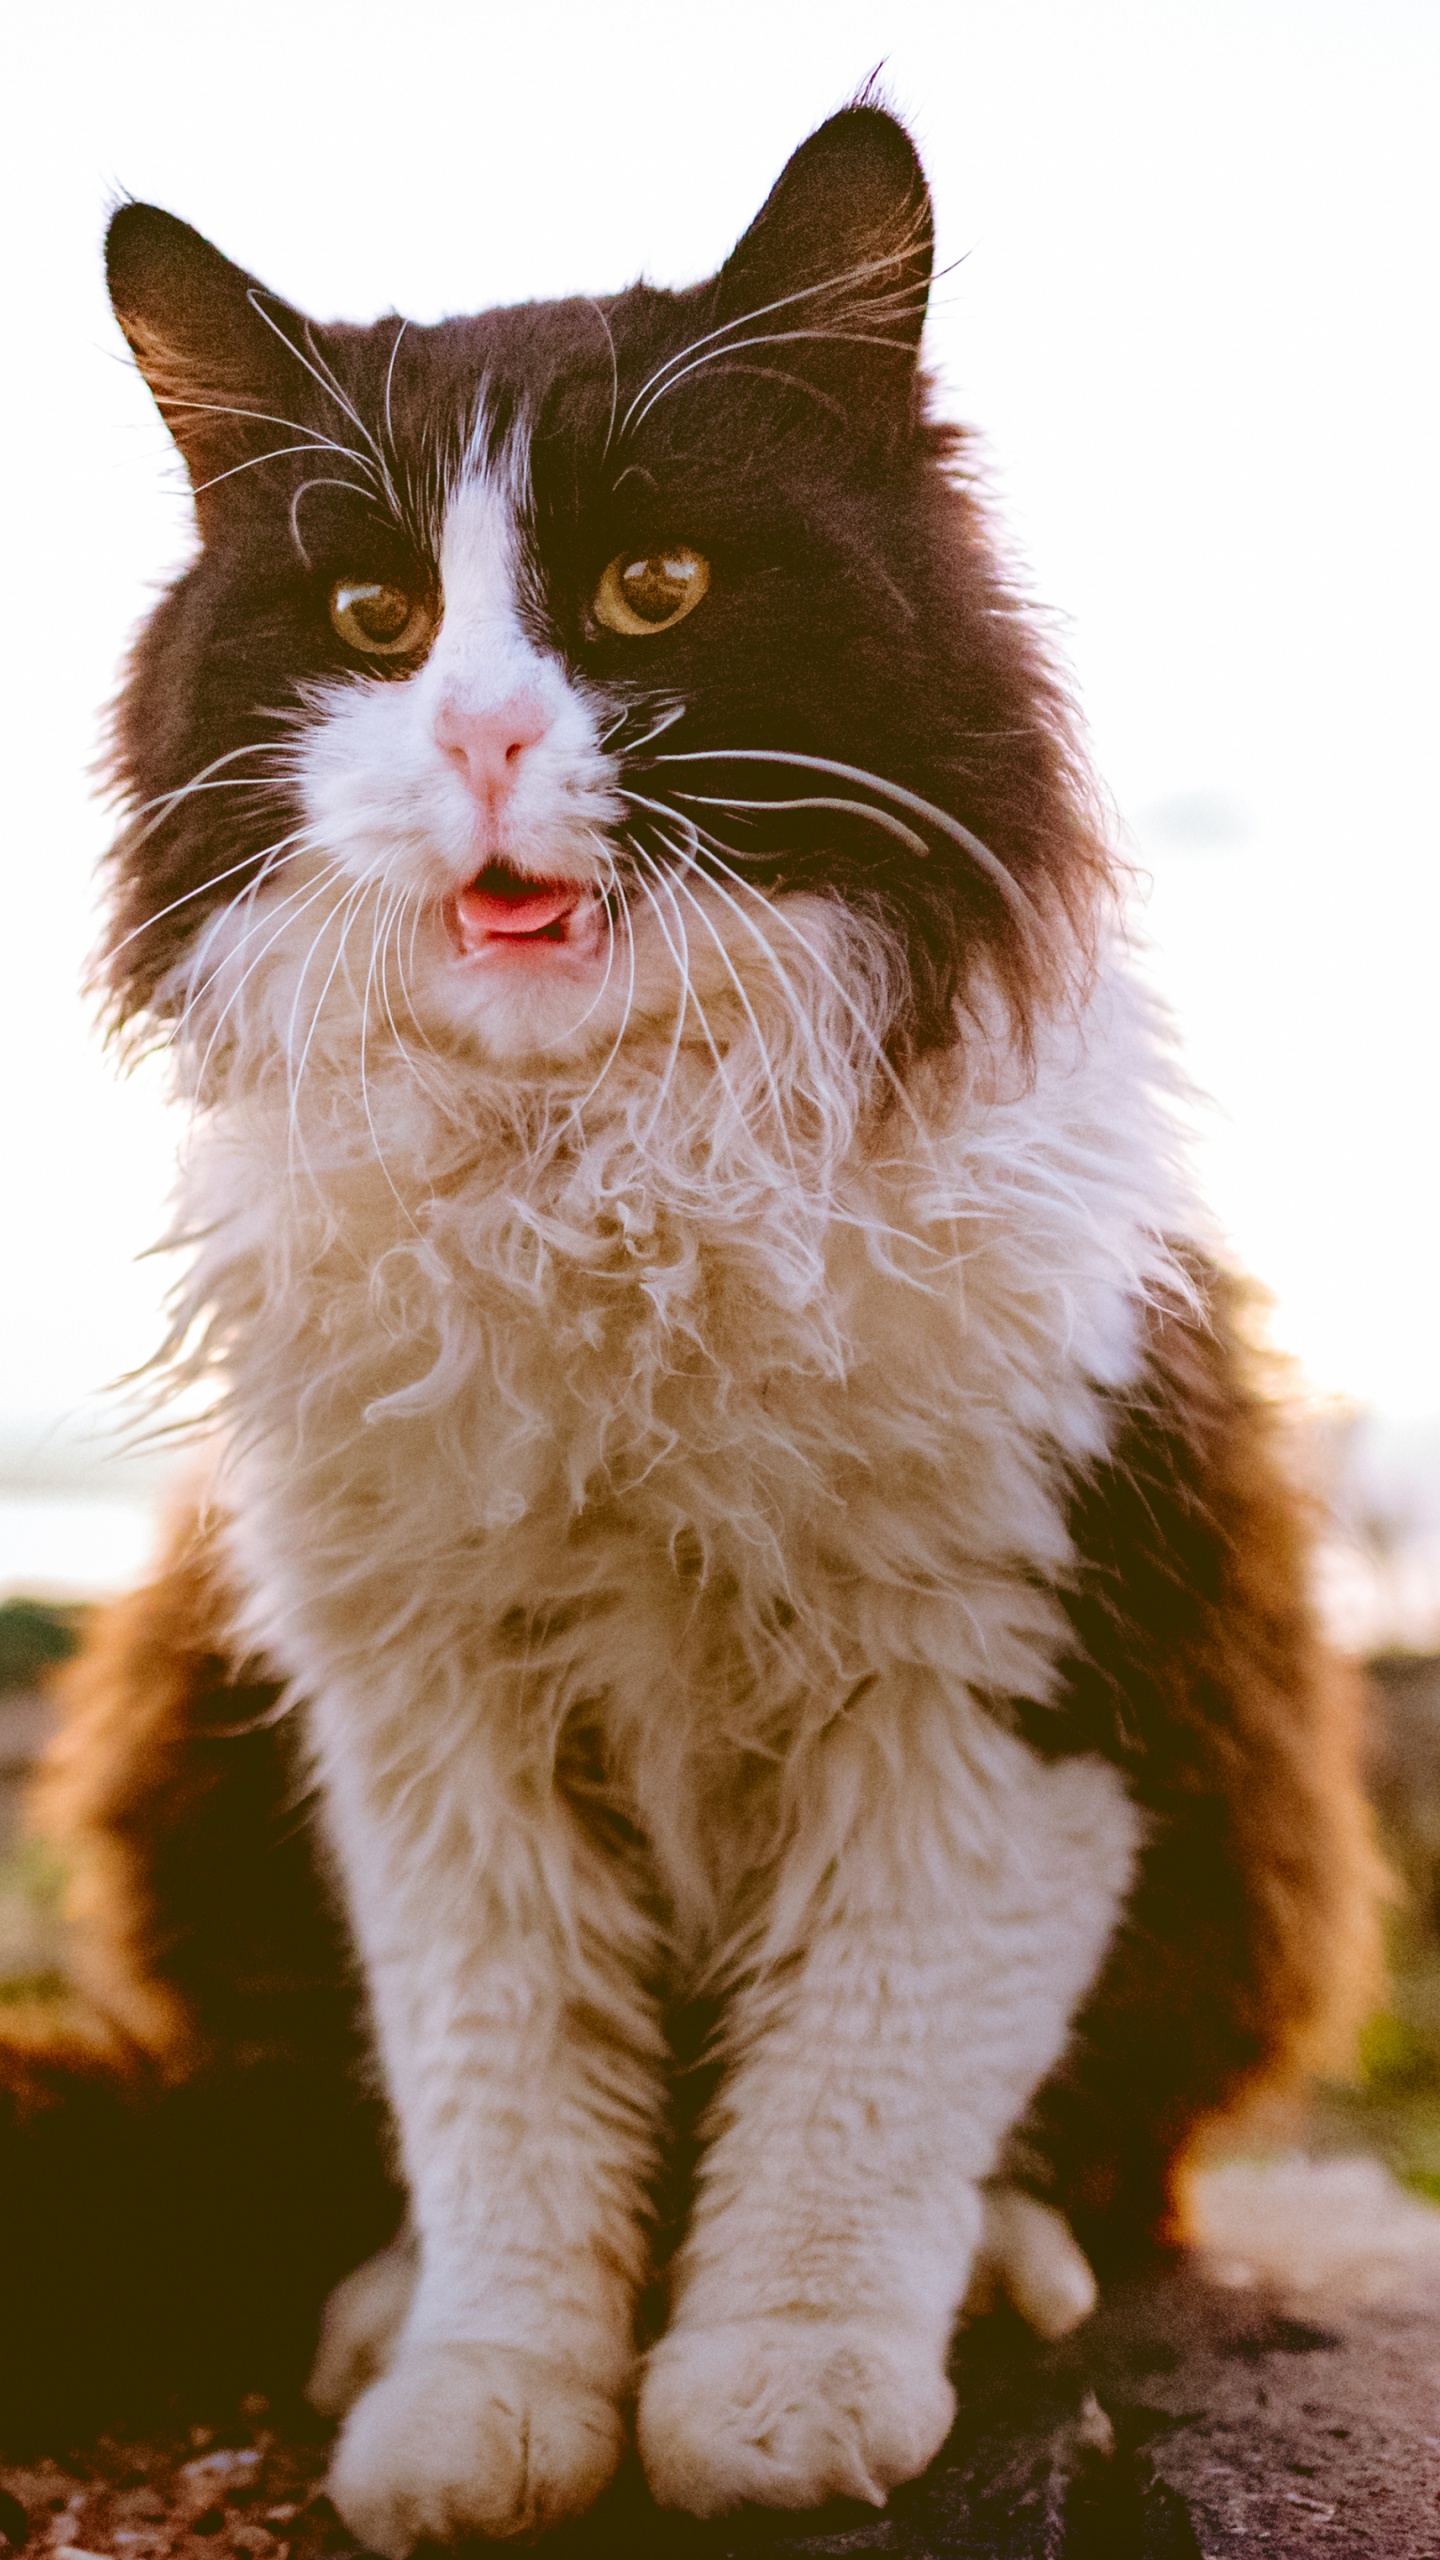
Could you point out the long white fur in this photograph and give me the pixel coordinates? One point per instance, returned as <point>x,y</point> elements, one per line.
<point>637,1407</point>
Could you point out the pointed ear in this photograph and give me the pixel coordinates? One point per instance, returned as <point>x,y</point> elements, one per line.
<point>204,335</point>
<point>834,272</point>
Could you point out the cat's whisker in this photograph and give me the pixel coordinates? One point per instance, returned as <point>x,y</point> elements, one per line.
<point>329,481</point>
<point>417,917</point>
<point>894,826</point>
<point>389,384</point>
<point>300,899</point>
<point>266,871</point>
<point>577,1109</point>
<point>165,801</point>
<point>402,898</point>
<point>679,888</point>
<point>790,993</point>
<point>668,1073</point>
<point>320,442</point>
<point>350,900</point>
<point>875,782</point>
<point>776,908</point>
<point>667,715</point>
<point>609,893</point>
<point>774,338</point>
<point>795,1007</point>
<point>614,373</point>
<point>685,995</point>
<point>691,992</point>
<point>376,943</point>
<point>838,282</point>
<point>218,923</point>
<point>322,373</point>
<point>868,1224</point>
<point>980,854</point>
<point>253,462</point>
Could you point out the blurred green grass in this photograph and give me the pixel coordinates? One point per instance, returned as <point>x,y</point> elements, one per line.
<point>35,1636</point>
<point>1392,2107</point>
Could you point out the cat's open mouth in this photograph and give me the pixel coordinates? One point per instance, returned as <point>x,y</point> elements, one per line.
<point>501,909</point>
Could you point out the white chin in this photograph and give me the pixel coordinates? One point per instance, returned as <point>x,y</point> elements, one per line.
<point>531,1004</point>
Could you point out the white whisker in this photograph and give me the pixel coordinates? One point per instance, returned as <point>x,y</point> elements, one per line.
<point>376,945</point>
<point>678,888</point>
<point>691,993</point>
<point>762,311</point>
<point>165,801</point>
<point>306,894</point>
<point>614,372</point>
<point>772,338</point>
<point>320,442</point>
<point>278,453</point>
<point>389,380</point>
<point>986,861</point>
<point>577,1109</point>
<point>776,907</point>
<point>853,808</point>
<point>266,871</point>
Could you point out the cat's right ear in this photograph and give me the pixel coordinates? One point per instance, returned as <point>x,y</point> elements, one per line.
<point>220,353</point>
<point>830,282</point>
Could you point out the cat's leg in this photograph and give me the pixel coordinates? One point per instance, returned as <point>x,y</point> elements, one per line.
<point>503,1957</point>
<point>947,1899</point>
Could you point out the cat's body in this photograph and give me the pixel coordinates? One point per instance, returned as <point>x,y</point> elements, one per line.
<point>724,1428</point>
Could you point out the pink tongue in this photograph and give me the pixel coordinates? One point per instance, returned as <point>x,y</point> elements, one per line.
<point>481,912</point>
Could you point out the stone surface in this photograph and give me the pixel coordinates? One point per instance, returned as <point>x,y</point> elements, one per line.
<point>1278,2394</point>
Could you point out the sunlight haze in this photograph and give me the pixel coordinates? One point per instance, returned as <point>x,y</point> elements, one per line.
<point>1191,252</point>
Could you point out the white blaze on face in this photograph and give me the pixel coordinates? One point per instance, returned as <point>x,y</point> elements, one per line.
<point>475,799</point>
<point>476,791</point>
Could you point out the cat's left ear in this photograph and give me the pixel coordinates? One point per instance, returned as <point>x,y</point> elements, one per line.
<point>223,358</point>
<point>831,280</point>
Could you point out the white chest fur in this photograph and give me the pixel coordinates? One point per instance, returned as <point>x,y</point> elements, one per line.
<point>688,1444</point>
<point>543,1411</point>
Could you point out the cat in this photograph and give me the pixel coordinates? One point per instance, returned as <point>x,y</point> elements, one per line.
<point>730,1440</point>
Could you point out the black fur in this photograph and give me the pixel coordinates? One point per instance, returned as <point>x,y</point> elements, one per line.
<point>857,611</point>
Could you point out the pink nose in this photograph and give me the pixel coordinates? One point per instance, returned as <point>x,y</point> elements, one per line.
<point>490,746</point>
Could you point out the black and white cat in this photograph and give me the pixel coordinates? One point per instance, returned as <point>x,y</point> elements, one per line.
<point>723,1427</point>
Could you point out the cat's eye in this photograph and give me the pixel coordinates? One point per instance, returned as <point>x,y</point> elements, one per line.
<point>384,621</point>
<point>645,592</point>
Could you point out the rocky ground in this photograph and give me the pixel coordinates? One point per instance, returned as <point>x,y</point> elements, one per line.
<point>1280,2393</point>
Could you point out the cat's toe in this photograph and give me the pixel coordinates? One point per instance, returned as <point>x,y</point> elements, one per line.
<point>458,2441</point>
<point>359,2327</point>
<point>1030,2250</point>
<point>789,2412</point>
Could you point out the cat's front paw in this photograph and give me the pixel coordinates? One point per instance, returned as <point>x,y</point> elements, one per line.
<point>789,2412</point>
<point>471,2440</point>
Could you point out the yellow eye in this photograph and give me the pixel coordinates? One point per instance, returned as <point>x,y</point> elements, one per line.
<point>384,621</point>
<point>639,595</point>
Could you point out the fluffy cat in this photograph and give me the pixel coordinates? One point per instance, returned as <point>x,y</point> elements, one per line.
<point>728,1437</point>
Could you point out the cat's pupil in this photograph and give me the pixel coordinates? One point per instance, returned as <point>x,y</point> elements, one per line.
<point>661,585</point>
<point>381,612</point>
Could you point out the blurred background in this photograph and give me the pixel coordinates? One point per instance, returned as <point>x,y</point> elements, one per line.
<point>1191,250</point>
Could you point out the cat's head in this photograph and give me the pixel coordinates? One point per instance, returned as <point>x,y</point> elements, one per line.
<point>572,651</point>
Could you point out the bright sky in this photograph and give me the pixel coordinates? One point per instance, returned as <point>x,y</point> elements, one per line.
<point>1194,316</point>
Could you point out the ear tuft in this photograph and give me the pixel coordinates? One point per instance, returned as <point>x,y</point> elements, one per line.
<point>838,259</point>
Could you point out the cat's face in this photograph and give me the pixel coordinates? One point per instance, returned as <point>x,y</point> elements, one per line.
<point>563,650</point>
